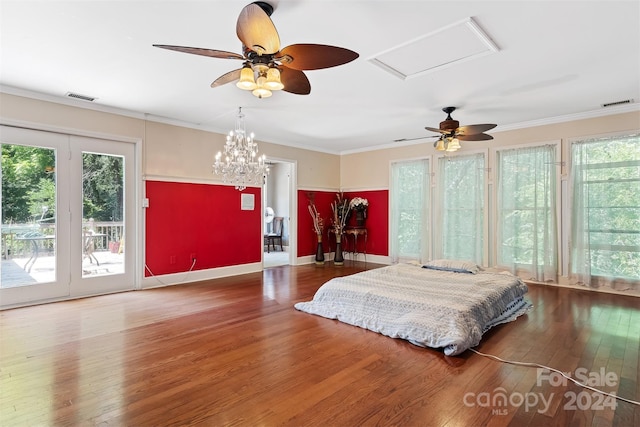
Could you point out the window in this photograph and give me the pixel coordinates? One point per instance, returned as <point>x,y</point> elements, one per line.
<point>605,217</point>
<point>460,204</point>
<point>410,185</point>
<point>526,209</point>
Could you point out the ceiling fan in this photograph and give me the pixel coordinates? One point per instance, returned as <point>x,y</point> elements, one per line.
<point>267,67</point>
<point>451,133</point>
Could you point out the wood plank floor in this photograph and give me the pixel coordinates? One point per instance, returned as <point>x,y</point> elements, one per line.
<point>234,351</point>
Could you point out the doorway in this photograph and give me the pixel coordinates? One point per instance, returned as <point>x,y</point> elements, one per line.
<point>68,216</point>
<point>278,194</point>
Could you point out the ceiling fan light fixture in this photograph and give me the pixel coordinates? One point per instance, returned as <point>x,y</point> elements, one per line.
<point>261,52</point>
<point>261,91</point>
<point>273,79</point>
<point>440,145</point>
<point>247,81</point>
<point>454,144</point>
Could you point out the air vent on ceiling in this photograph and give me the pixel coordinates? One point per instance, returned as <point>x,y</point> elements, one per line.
<point>612,104</point>
<point>82,97</point>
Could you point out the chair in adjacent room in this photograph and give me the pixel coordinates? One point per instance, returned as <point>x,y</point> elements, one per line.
<point>275,236</point>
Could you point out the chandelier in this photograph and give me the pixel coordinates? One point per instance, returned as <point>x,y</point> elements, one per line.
<point>241,164</point>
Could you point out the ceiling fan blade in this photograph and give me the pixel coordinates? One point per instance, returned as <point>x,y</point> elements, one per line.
<point>256,30</point>
<point>201,51</point>
<point>227,78</point>
<point>294,81</point>
<point>436,130</point>
<point>314,56</point>
<point>474,137</point>
<point>415,139</point>
<point>473,129</point>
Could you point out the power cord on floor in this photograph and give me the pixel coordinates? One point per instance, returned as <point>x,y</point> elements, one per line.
<point>536,365</point>
<point>193,263</point>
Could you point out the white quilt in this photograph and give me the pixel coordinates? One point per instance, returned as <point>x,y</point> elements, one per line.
<point>430,308</point>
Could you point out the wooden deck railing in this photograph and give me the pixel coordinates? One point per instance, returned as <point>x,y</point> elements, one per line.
<point>12,247</point>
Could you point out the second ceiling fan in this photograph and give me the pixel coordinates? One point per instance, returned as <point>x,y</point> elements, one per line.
<point>451,133</point>
<point>267,67</point>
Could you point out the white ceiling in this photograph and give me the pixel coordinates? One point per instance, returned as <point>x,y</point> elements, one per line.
<point>556,60</point>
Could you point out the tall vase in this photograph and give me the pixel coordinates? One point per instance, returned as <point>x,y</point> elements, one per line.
<point>319,251</point>
<point>339,258</point>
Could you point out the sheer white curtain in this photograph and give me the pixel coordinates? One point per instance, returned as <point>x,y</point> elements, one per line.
<point>527,226</point>
<point>409,200</point>
<point>459,208</point>
<point>605,212</point>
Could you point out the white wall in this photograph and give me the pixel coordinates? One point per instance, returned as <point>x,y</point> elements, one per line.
<point>278,185</point>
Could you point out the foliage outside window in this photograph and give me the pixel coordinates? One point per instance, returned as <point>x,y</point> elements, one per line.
<point>460,227</point>
<point>409,194</point>
<point>28,184</point>
<point>527,229</point>
<point>605,238</point>
<point>103,191</point>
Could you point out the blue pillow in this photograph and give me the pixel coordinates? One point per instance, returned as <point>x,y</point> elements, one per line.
<point>456,266</point>
<point>453,270</point>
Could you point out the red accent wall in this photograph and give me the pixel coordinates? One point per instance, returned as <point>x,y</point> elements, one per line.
<point>201,219</point>
<point>307,241</point>
<point>377,220</point>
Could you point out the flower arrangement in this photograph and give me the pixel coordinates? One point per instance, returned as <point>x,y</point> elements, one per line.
<point>359,204</point>
<point>340,208</point>
<point>318,224</point>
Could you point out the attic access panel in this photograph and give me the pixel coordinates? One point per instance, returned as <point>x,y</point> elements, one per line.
<point>450,45</point>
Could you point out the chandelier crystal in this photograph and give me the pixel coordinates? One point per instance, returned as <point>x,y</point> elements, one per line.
<point>241,164</point>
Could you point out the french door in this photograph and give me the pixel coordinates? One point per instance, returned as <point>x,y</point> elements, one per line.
<point>68,216</point>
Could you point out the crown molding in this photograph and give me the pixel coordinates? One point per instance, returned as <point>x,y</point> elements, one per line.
<point>88,105</point>
<point>10,90</point>
<point>602,112</point>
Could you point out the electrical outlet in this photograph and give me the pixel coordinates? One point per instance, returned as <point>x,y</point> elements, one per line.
<point>193,257</point>
<point>172,259</point>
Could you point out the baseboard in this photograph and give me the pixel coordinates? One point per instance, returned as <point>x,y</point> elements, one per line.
<point>602,289</point>
<point>328,257</point>
<point>199,275</point>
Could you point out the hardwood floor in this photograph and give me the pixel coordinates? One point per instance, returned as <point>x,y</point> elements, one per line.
<point>234,351</point>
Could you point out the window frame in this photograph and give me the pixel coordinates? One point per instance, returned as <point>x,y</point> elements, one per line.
<point>426,251</point>
<point>595,280</point>
<point>436,240</point>
<point>560,179</point>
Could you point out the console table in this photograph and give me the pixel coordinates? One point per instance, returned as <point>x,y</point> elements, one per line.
<point>352,234</point>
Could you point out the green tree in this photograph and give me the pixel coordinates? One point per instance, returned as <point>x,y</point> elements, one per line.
<point>42,200</point>
<point>24,170</point>
<point>103,192</point>
<point>29,185</point>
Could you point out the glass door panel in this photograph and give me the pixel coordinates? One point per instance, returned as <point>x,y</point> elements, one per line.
<point>102,212</point>
<point>103,224</point>
<point>32,267</point>
<point>28,213</point>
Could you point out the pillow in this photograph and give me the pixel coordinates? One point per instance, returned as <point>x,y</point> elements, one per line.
<point>454,265</point>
